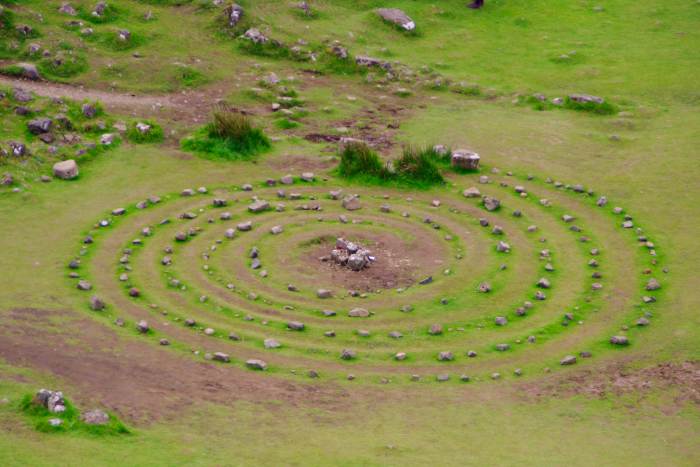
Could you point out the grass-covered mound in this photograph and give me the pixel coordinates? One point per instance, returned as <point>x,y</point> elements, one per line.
<point>415,167</point>
<point>70,419</point>
<point>229,136</point>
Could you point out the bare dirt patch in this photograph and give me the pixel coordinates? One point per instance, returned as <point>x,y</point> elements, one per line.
<point>295,163</point>
<point>138,380</point>
<point>683,378</point>
<point>398,263</point>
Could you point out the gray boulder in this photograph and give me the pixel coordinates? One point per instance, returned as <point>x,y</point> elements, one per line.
<point>491,203</point>
<point>568,360</point>
<point>66,170</point>
<point>255,36</point>
<point>351,203</point>
<point>233,13</point>
<point>39,126</point>
<point>29,71</point>
<point>465,159</point>
<point>358,313</point>
<point>259,206</point>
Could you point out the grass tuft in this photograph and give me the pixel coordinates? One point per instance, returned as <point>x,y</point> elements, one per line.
<point>229,136</point>
<point>415,168</point>
<point>419,165</point>
<point>358,160</point>
<point>154,135</point>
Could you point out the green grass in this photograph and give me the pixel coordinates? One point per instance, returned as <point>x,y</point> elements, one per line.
<point>66,65</point>
<point>71,422</point>
<point>419,165</point>
<point>415,167</point>
<point>230,136</point>
<point>639,56</point>
<point>153,135</point>
<point>358,160</point>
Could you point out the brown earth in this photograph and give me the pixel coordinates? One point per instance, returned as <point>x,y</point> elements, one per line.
<point>137,380</point>
<point>397,264</point>
<point>682,379</point>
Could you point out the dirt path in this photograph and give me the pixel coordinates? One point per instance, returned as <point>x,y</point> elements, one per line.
<point>185,106</point>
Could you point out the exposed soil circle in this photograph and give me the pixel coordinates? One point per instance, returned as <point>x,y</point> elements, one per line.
<point>398,262</point>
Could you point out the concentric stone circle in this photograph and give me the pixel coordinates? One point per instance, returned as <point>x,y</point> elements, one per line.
<point>499,274</point>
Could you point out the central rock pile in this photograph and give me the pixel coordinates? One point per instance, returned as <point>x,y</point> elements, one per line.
<point>351,255</point>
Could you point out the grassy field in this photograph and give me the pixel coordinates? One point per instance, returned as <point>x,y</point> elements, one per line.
<point>635,404</point>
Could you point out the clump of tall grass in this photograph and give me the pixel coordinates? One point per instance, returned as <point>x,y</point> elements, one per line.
<point>415,167</point>
<point>230,135</point>
<point>419,165</point>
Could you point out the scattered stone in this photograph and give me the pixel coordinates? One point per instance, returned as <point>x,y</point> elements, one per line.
<point>324,293</point>
<point>351,203</point>
<point>465,159</point>
<point>95,417</point>
<point>586,99</point>
<point>39,125</point>
<point>472,192</point>
<point>51,400</point>
<point>358,313</point>
<point>643,322</point>
<point>445,356</point>
<point>66,170</point>
<point>245,226</point>
<point>568,360</point>
<point>142,327</point>
<point>259,206</point>
<point>619,340</point>
<point>397,17</point>
<point>221,357</point>
<point>255,364</point>
<point>491,204</point>
<point>233,13</point>
<point>348,354</point>
<point>96,303</point>
<point>271,344</point>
